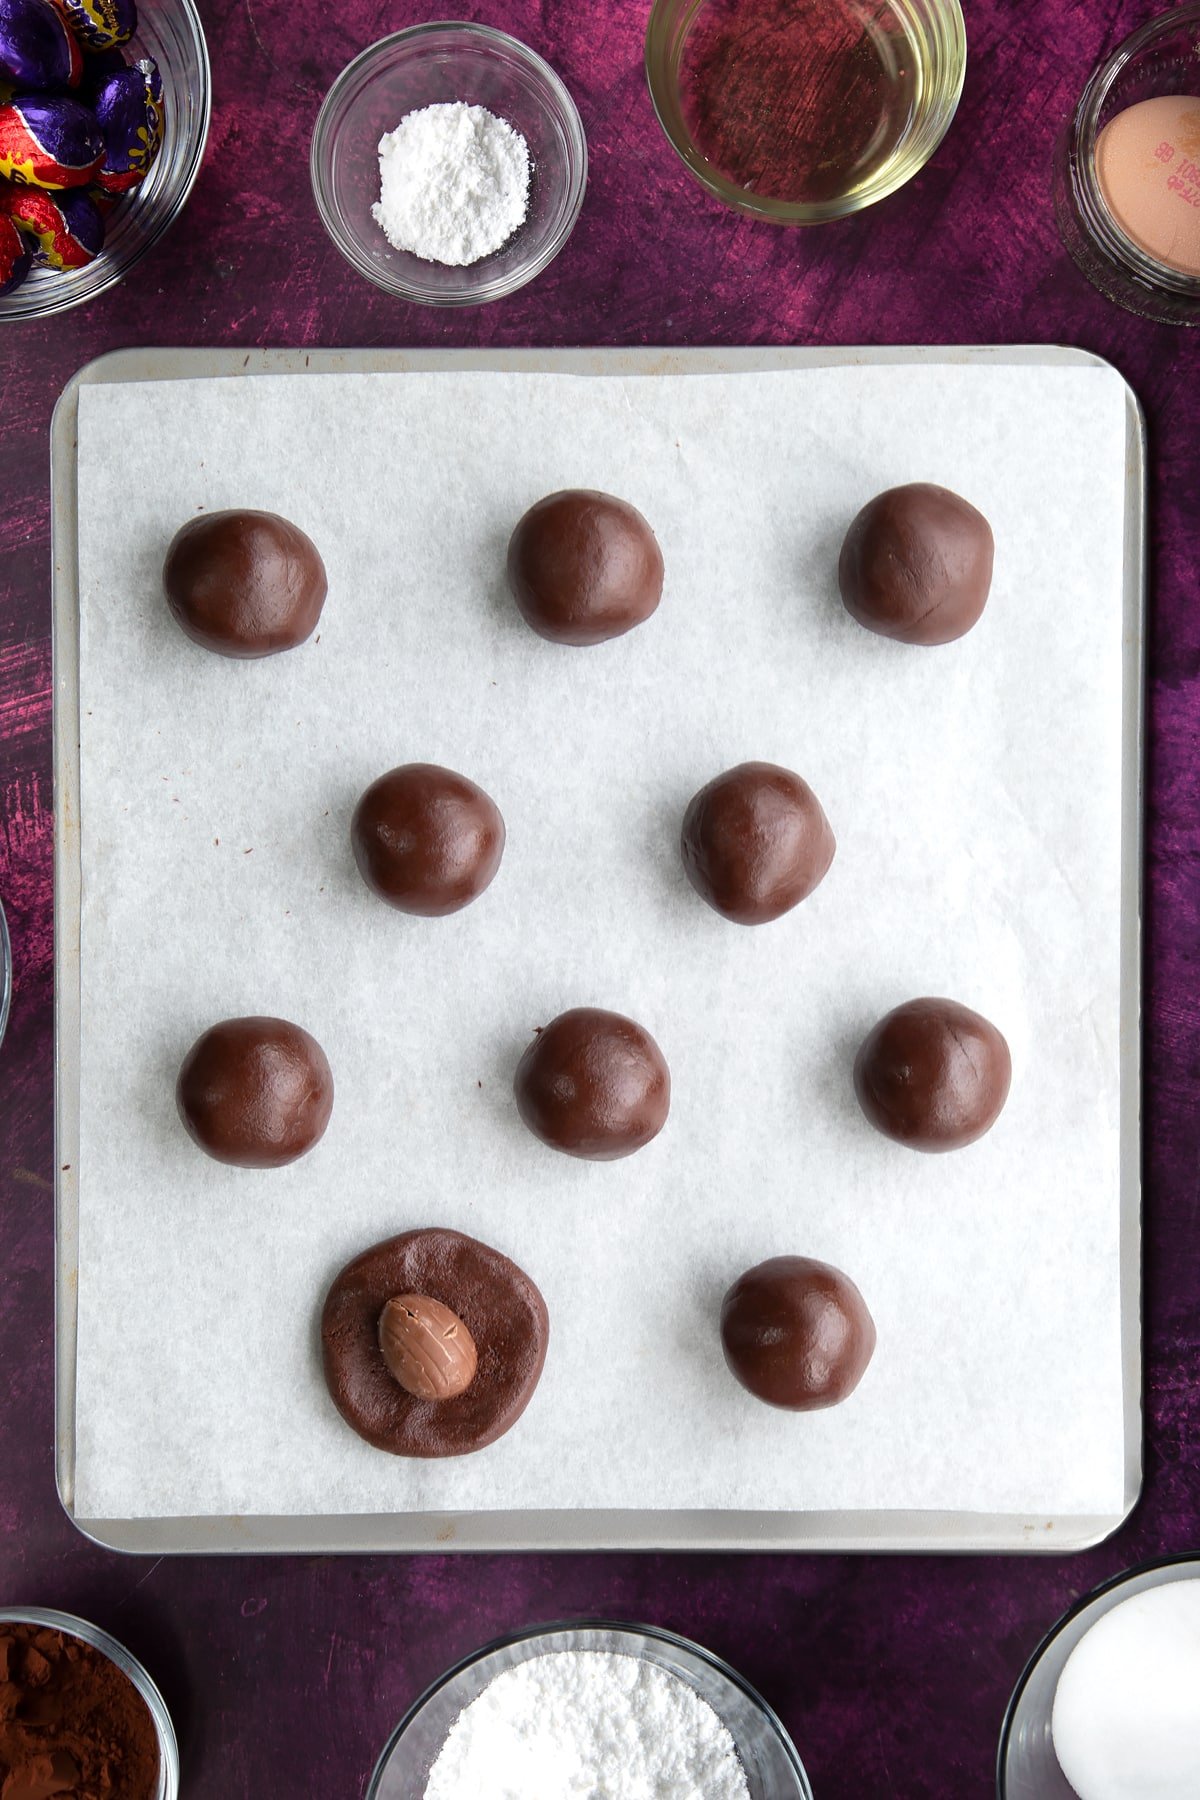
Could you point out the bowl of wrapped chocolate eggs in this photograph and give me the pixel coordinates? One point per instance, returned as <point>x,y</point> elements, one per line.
<point>103,120</point>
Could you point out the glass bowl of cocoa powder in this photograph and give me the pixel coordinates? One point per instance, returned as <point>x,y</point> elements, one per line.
<point>78,1712</point>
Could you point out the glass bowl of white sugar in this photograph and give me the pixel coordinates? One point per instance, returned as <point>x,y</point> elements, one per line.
<point>1112,1694</point>
<point>449,164</point>
<point>596,1709</point>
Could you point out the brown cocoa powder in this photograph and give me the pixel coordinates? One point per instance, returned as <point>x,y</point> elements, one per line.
<point>72,1726</point>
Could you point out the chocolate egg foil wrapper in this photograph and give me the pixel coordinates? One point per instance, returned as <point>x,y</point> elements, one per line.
<point>129,112</point>
<point>65,229</point>
<point>49,141</point>
<point>16,258</point>
<point>100,24</point>
<point>38,49</point>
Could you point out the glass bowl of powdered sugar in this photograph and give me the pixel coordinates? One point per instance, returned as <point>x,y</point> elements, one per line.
<point>599,1711</point>
<point>449,164</point>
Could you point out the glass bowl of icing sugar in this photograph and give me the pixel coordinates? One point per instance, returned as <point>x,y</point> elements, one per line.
<point>449,164</point>
<point>593,1709</point>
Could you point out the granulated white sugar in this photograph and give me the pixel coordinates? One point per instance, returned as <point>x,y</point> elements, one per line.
<point>587,1725</point>
<point>454,183</point>
<point>1126,1719</point>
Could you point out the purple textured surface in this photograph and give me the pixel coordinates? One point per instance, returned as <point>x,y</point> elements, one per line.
<point>285,1676</point>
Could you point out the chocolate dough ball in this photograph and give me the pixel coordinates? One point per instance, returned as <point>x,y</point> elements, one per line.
<point>497,1304</point>
<point>797,1333</point>
<point>244,584</point>
<point>255,1092</point>
<point>933,1075</point>
<point>755,842</point>
<point>426,840</point>
<point>584,567</point>
<point>593,1084</point>
<point>917,565</point>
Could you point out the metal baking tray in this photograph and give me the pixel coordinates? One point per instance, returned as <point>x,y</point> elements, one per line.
<point>560,1530</point>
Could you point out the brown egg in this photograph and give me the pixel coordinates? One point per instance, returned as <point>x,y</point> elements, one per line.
<point>256,1092</point>
<point>917,565</point>
<point>593,1084</point>
<point>426,840</point>
<point>933,1075</point>
<point>755,842</point>
<point>244,584</point>
<point>797,1333</point>
<point>584,567</point>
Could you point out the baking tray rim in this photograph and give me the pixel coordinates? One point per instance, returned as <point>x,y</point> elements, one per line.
<point>576,1530</point>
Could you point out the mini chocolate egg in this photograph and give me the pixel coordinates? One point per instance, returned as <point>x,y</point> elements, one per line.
<point>38,49</point>
<point>100,24</point>
<point>65,229</point>
<point>129,112</point>
<point>16,258</point>
<point>48,141</point>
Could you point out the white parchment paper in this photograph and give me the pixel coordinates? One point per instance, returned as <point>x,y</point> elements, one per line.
<point>974,791</point>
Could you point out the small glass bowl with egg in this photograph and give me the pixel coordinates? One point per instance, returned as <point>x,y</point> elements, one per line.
<point>1112,1695</point>
<point>443,64</point>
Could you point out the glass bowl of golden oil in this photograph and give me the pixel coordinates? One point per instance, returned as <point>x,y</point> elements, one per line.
<point>803,111</point>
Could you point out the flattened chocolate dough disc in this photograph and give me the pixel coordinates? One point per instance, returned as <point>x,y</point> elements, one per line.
<point>496,1301</point>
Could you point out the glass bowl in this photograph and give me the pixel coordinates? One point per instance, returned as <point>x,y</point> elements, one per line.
<point>5,974</point>
<point>424,66</point>
<point>1162,57</point>
<point>170,31</point>
<point>168,1749</point>
<point>773,1769</point>
<point>1026,1767</point>
<point>875,108</point>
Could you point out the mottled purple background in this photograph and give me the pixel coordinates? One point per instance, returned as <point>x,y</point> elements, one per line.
<point>892,1674</point>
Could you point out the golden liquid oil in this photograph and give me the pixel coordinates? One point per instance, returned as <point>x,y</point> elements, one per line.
<point>805,102</point>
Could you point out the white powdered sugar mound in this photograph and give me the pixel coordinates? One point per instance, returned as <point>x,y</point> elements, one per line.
<point>454,183</point>
<point>587,1725</point>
